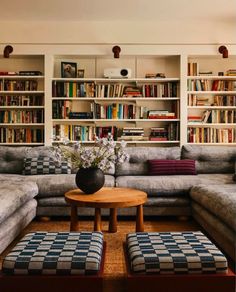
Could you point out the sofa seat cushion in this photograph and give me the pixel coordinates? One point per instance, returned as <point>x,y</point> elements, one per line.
<point>220,200</point>
<point>52,185</point>
<point>56,253</point>
<point>160,185</point>
<point>174,253</point>
<point>14,193</point>
<point>173,185</point>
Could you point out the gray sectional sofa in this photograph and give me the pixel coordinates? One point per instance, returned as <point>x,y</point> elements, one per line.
<point>22,197</point>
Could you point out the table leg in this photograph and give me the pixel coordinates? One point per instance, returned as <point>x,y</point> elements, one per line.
<point>97,220</point>
<point>139,219</point>
<point>113,220</point>
<point>74,223</point>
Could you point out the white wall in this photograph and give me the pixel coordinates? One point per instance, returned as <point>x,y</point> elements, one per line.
<point>220,31</point>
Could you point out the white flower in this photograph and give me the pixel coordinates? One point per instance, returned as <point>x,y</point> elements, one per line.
<point>103,155</point>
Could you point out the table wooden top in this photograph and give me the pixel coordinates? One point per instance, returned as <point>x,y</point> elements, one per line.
<point>107,198</point>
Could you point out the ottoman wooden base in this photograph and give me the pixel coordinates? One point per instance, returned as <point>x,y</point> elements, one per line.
<point>51,283</point>
<point>182,282</point>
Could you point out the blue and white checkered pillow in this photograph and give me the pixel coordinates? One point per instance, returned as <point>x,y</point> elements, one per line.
<point>56,253</point>
<point>45,165</point>
<point>174,253</point>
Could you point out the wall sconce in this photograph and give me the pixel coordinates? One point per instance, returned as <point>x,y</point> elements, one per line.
<point>7,51</point>
<point>224,51</point>
<point>116,50</point>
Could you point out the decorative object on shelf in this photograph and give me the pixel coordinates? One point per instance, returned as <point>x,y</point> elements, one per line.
<point>80,73</point>
<point>7,51</point>
<point>224,51</point>
<point>116,50</point>
<point>68,70</point>
<point>92,162</point>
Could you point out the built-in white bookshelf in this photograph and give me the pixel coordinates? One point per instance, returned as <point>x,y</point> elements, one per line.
<point>22,100</point>
<point>211,97</point>
<point>138,106</point>
<point>172,60</point>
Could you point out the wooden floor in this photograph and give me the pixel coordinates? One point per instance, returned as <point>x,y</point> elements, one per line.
<point>114,262</point>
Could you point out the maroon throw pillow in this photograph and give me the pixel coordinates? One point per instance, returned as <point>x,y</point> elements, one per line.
<point>171,167</point>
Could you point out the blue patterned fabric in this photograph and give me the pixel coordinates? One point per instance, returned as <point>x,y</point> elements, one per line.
<point>56,253</point>
<point>174,253</point>
<point>45,165</point>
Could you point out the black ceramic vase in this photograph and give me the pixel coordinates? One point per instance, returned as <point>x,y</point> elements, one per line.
<point>90,180</point>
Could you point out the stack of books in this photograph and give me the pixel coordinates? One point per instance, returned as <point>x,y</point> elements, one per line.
<point>158,134</point>
<point>133,134</point>
<point>161,114</point>
<point>231,72</point>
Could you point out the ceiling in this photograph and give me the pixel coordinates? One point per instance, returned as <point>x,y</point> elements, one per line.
<point>113,10</point>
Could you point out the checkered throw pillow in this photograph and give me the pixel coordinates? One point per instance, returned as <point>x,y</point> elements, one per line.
<point>174,253</point>
<point>62,253</point>
<point>45,165</point>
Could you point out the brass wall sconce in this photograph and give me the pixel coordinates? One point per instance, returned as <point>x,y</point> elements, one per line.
<point>7,51</point>
<point>224,51</point>
<point>116,50</point>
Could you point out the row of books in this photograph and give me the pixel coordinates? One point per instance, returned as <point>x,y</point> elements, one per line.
<point>21,135</point>
<point>88,133</point>
<point>18,85</point>
<point>21,100</point>
<point>90,89</point>
<point>211,85</point>
<point>114,111</point>
<point>214,116</point>
<point>82,133</point>
<point>193,68</point>
<point>61,109</point>
<point>211,135</point>
<point>222,116</point>
<point>22,116</point>
<point>217,100</point>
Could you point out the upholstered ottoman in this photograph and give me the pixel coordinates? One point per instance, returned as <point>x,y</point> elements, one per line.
<point>55,261</point>
<point>176,261</point>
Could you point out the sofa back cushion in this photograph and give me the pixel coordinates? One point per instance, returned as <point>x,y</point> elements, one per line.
<point>138,157</point>
<point>211,159</point>
<point>12,158</point>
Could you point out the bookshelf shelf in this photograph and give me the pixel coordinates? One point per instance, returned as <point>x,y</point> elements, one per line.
<point>213,92</point>
<point>114,120</point>
<point>211,107</point>
<point>211,77</point>
<point>116,98</point>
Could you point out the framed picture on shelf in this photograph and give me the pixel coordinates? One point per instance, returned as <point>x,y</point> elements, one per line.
<point>68,70</point>
<point>80,73</point>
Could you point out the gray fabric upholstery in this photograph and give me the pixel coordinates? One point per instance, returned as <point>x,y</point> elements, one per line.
<point>172,185</point>
<point>13,195</point>
<point>12,226</point>
<point>137,164</point>
<point>220,201</point>
<point>211,159</point>
<point>57,185</point>
<point>221,233</point>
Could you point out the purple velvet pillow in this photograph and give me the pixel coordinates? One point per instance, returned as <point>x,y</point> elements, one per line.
<point>171,167</point>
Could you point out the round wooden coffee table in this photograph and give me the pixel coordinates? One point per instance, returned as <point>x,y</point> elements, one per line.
<point>111,198</point>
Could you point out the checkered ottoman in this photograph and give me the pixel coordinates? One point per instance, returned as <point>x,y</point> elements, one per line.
<point>174,253</point>
<point>56,253</point>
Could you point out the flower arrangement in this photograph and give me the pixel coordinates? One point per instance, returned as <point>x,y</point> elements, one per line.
<point>103,155</point>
